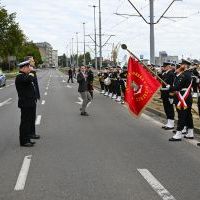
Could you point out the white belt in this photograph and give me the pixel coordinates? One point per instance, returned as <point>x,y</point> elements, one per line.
<point>164,89</point>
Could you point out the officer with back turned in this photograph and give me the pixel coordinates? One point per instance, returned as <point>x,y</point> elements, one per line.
<point>37,91</point>
<point>24,83</point>
<point>168,76</point>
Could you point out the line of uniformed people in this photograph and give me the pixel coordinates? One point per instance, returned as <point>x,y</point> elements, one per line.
<point>180,82</point>
<point>113,82</point>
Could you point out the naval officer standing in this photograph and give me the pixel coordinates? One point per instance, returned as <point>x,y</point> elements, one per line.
<point>24,83</point>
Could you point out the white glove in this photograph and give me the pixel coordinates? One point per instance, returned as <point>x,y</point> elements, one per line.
<point>167,86</point>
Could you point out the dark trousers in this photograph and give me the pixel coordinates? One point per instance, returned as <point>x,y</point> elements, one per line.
<point>184,119</point>
<point>111,87</point>
<point>102,85</point>
<point>70,78</point>
<point>123,87</point>
<point>168,108</point>
<point>107,88</point>
<point>26,125</point>
<point>118,88</point>
<point>33,132</point>
<point>91,93</point>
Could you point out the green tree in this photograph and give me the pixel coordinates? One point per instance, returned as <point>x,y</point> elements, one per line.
<point>11,36</point>
<point>29,49</point>
<point>87,58</point>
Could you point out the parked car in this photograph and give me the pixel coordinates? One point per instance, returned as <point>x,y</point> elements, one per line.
<point>2,79</point>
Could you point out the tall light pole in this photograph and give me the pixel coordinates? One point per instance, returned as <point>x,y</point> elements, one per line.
<point>152,23</point>
<point>100,35</point>
<point>95,35</point>
<point>72,51</point>
<point>152,37</point>
<point>77,49</point>
<point>67,55</point>
<point>84,62</point>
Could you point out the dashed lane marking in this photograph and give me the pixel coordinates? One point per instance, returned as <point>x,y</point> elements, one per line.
<point>38,120</point>
<point>43,102</point>
<point>47,88</point>
<point>45,93</point>
<point>6,102</point>
<point>68,86</point>
<point>156,185</point>
<point>21,181</point>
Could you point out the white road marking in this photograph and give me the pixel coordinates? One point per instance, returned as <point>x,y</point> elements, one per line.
<point>1,88</point>
<point>156,185</point>
<point>69,86</point>
<point>47,88</point>
<point>43,102</point>
<point>38,120</point>
<point>21,181</point>
<point>6,102</point>
<point>45,93</point>
<point>64,81</point>
<point>12,84</point>
<point>7,86</point>
<point>151,119</point>
<point>80,101</point>
<point>89,104</point>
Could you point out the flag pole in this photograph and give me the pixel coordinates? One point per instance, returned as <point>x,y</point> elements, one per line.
<point>124,46</point>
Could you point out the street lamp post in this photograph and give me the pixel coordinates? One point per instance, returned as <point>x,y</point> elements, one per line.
<point>77,49</point>
<point>100,42</point>
<point>95,35</point>
<point>84,62</point>
<point>72,51</point>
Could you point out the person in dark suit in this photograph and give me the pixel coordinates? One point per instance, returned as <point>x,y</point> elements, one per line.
<point>183,101</point>
<point>70,74</point>
<point>26,102</point>
<point>90,79</point>
<point>83,89</point>
<point>168,76</point>
<point>37,92</point>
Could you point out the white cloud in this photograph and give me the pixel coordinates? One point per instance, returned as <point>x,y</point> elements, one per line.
<point>57,21</point>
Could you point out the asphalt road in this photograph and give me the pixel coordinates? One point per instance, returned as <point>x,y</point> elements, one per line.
<point>107,156</point>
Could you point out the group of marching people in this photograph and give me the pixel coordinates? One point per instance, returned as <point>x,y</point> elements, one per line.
<point>180,87</point>
<point>113,82</point>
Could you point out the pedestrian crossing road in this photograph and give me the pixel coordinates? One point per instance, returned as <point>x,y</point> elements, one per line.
<point>108,155</point>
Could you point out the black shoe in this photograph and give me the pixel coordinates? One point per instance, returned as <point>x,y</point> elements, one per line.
<point>28,144</point>
<point>168,128</point>
<point>163,127</point>
<point>84,114</point>
<point>198,144</point>
<point>36,137</point>
<point>189,138</point>
<point>174,131</point>
<point>174,140</point>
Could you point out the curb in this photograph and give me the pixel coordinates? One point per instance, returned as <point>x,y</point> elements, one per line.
<point>161,114</point>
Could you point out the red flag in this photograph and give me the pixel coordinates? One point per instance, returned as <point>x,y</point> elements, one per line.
<point>141,86</point>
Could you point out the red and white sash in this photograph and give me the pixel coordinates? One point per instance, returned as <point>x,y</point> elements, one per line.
<point>182,98</point>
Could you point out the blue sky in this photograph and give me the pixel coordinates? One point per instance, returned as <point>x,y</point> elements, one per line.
<point>57,22</point>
